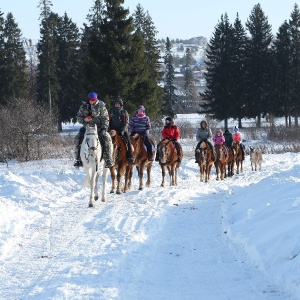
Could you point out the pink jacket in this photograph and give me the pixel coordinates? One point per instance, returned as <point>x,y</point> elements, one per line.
<point>219,139</point>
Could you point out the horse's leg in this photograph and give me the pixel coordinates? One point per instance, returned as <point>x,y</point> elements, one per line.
<point>217,171</point>
<point>104,178</point>
<point>171,174</point>
<point>201,173</point>
<point>113,179</point>
<point>163,174</point>
<point>149,167</point>
<point>96,196</point>
<point>176,167</point>
<point>120,173</point>
<point>241,166</point>
<point>92,187</point>
<point>237,166</point>
<point>141,173</point>
<point>128,177</point>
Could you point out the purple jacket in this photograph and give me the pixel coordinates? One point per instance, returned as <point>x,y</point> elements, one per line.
<point>139,124</point>
<point>219,139</point>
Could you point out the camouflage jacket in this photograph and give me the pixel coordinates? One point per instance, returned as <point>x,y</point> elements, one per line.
<point>97,111</point>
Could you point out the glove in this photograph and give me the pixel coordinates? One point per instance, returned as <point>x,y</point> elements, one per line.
<point>147,132</point>
<point>102,131</point>
<point>88,119</point>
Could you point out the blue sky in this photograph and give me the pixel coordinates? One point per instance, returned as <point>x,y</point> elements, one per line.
<point>173,19</point>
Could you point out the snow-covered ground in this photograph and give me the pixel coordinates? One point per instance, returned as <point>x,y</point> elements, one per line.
<point>232,239</point>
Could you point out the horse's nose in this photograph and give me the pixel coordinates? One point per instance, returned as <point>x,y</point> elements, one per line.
<point>93,148</point>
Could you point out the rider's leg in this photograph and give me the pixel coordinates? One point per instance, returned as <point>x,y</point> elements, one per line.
<point>212,150</point>
<point>148,146</point>
<point>107,147</point>
<point>77,142</point>
<point>177,146</point>
<point>129,149</point>
<point>243,151</point>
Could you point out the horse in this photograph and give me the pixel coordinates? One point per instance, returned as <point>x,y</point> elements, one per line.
<point>141,160</point>
<point>168,157</point>
<point>239,157</point>
<point>121,165</point>
<point>230,161</point>
<point>205,161</point>
<point>255,159</point>
<point>90,154</point>
<point>221,161</point>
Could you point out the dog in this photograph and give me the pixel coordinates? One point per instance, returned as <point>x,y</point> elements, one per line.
<point>255,159</point>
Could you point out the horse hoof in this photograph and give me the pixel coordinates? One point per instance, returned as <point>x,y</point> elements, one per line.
<point>140,188</point>
<point>119,192</point>
<point>96,198</point>
<point>103,200</point>
<point>91,205</point>
<point>112,192</point>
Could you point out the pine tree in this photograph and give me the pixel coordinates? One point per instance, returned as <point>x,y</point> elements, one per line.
<point>169,99</point>
<point>238,94</point>
<point>2,58</point>
<point>149,89</point>
<point>189,83</point>
<point>14,79</point>
<point>294,26</point>
<point>219,83</point>
<point>258,63</point>
<point>47,85</point>
<point>281,85</point>
<point>68,70</point>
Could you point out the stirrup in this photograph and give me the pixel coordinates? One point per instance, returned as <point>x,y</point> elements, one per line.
<point>109,164</point>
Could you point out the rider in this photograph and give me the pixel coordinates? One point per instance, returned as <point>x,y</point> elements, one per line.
<point>237,137</point>
<point>204,134</point>
<point>140,123</point>
<point>228,139</point>
<point>119,120</point>
<point>219,138</point>
<point>172,132</point>
<point>93,111</point>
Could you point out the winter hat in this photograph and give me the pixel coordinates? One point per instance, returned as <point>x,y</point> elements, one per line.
<point>235,129</point>
<point>226,130</point>
<point>118,100</point>
<point>92,96</point>
<point>141,107</point>
<point>219,131</point>
<point>170,119</point>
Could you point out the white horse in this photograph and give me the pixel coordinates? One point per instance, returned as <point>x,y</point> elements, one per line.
<point>90,153</point>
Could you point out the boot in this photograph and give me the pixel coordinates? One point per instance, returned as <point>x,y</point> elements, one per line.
<point>156,157</point>
<point>109,164</point>
<point>78,162</point>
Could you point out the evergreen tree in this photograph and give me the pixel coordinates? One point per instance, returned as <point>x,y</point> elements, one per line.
<point>189,84</point>
<point>14,79</point>
<point>148,89</point>
<point>281,85</point>
<point>294,26</point>
<point>238,95</point>
<point>219,83</point>
<point>47,84</point>
<point>258,64</point>
<point>2,59</point>
<point>169,100</point>
<point>68,70</point>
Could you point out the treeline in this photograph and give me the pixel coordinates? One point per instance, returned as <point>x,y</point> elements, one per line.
<point>115,55</point>
<point>255,75</point>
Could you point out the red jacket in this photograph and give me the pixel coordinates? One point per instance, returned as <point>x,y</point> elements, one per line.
<point>172,132</point>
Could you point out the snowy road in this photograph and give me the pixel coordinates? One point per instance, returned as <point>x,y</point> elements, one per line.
<point>159,243</point>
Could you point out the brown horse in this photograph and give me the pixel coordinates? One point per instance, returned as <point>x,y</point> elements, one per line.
<point>168,158</point>
<point>121,164</point>
<point>221,161</point>
<point>230,162</point>
<point>205,161</point>
<point>141,161</point>
<point>238,158</point>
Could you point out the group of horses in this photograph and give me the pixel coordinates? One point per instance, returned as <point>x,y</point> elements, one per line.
<point>224,161</point>
<point>91,156</point>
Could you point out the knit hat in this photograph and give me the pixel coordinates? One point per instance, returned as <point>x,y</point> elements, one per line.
<point>226,130</point>
<point>141,107</point>
<point>219,131</point>
<point>235,129</point>
<point>92,96</point>
<point>170,119</point>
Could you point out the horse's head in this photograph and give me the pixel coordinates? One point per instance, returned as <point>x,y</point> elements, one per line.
<point>164,150</point>
<point>201,153</point>
<point>219,151</point>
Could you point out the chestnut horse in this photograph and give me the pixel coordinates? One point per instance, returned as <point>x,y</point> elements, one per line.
<point>239,157</point>
<point>141,160</point>
<point>230,161</point>
<point>168,158</point>
<point>121,164</point>
<point>221,161</point>
<point>205,161</point>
